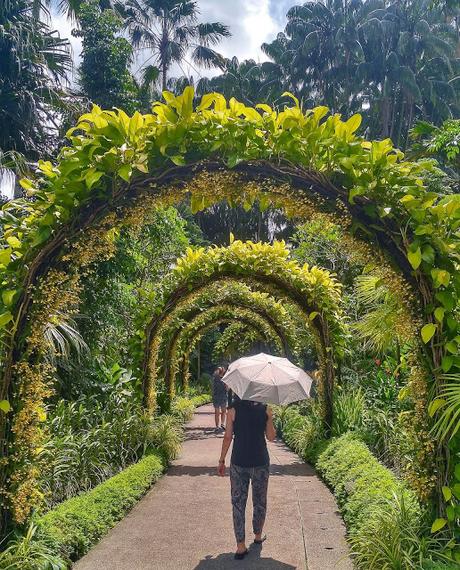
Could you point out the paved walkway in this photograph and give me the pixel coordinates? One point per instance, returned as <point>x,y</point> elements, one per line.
<point>184,521</point>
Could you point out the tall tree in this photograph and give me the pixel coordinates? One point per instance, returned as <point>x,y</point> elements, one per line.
<point>410,69</point>
<point>395,61</point>
<point>104,74</point>
<point>34,61</point>
<point>169,29</point>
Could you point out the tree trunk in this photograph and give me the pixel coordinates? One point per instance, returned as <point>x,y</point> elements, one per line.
<point>385,114</point>
<point>164,64</point>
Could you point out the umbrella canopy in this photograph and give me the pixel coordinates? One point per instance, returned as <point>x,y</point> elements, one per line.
<point>268,379</point>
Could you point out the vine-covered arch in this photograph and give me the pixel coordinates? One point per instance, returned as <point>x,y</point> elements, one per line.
<point>313,289</point>
<point>290,322</point>
<point>219,314</point>
<point>236,338</point>
<point>292,159</point>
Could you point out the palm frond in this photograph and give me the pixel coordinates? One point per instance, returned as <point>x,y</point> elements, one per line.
<point>447,407</point>
<point>63,338</point>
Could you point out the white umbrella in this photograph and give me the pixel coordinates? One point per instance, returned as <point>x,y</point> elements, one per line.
<point>267,379</point>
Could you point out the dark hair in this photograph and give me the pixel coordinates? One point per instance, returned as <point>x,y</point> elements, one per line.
<point>236,402</point>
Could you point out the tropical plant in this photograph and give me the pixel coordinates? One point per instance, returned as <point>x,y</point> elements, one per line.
<point>348,411</point>
<point>247,81</point>
<point>167,436</point>
<point>393,61</point>
<point>34,62</point>
<point>104,74</point>
<point>379,326</point>
<point>393,538</point>
<point>168,30</point>
<point>29,553</point>
<point>447,407</point>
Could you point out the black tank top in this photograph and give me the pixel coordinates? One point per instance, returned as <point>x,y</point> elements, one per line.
<point>249,444</point>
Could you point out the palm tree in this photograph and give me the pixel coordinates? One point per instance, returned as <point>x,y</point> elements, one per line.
<point>319,52</point>
<point>169,29</point>
<point>34,62</point>
<point>410,67</point>
<point>247,81</point>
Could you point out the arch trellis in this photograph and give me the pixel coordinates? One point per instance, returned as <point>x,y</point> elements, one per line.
<point>235,334</point>
<point>286,318</point>
<point>292,159</point>
<point>313,289</point>
<point>190,335</point>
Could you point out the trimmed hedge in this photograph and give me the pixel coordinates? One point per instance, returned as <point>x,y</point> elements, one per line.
<point>360,483</point>
<point>78,523</point>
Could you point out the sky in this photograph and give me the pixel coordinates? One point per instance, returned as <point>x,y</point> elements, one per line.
<point>251,22</point>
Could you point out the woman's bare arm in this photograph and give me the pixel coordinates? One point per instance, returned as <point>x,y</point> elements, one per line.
<point>228,437</point>
<point>270,431</point>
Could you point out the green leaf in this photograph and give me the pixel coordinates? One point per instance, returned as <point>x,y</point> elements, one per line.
<point>446,299</point>
<point>313,315</point>
<point>5,318</point>
<point>26,184</point>
<point>92,176</point>
<point>451,347</point>
<point>8,296</point>
<point>124,172</point>
<point>196,203</point>
<point>353,123</point>
<point>5,256</point>
<point>291,96</point>
<point>5,406</point>
<point>13,242</point>
<point>447,493</point>
<point>457,471</point>
<point>41,236</point>
<point>450,512</point>
<point>415,258</point>
<point>440,277</point>
<point>439,314</point>
<point>178,159</point>
<point>428,331</point>
<point>435,405</point>
<point>446,363</point>
<point>438,525</point>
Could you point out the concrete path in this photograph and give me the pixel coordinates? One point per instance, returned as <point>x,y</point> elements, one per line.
<point>184,522</point>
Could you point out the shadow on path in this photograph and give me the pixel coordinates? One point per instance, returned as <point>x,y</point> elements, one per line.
<point>253,561</point>
<point>293,469</point>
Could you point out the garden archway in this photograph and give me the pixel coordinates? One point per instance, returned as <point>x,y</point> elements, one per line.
<point>300,161</point>
<point>313,290</point>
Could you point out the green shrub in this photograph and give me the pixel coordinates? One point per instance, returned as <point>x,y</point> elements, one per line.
<point>303,433</point>
<point>429,565</point>
<point>388,538</point>
<point>75,525</point>
<point>28,553</point>
<point>348,411</point>
<point>183,408</point>
<point>361,484</point>
<point>201,399</point>
<point>166,434</point>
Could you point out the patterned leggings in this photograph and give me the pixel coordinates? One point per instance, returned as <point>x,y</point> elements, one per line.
<point>239,480</point>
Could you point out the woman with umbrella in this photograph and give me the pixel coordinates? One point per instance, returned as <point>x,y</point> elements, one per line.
<point>255,381</point>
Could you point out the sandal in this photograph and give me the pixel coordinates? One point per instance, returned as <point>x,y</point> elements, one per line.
<point>263,539</point>
<point>241,555</point>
